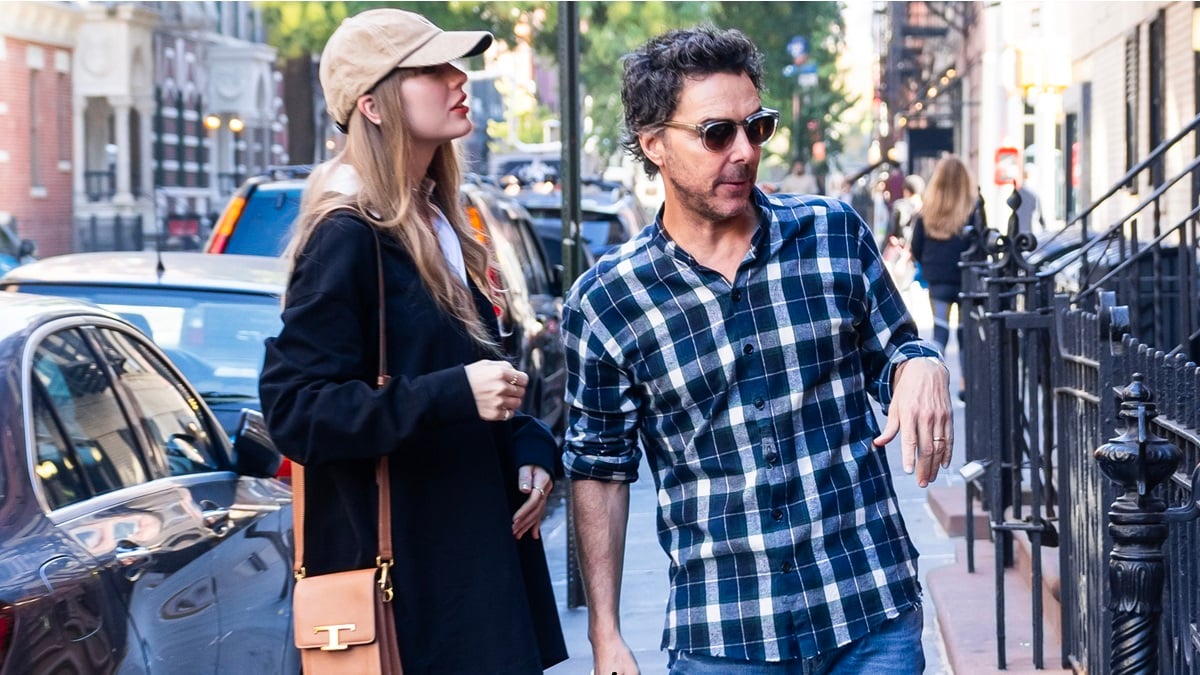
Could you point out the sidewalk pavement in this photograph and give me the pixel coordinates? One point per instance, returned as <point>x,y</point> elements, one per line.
<point>644,591</point>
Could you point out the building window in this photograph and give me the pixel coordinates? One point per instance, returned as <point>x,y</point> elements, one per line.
<point>64,132</point>
<point>1132,65</point>
<point>35,153</point>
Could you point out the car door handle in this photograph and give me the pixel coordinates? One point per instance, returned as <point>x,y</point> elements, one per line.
<point>128,554</point>
<point>216,517</point>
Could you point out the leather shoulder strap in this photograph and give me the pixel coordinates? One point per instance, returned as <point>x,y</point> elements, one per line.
<point>382,477</point>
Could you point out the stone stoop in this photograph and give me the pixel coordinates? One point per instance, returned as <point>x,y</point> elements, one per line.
<point>949,506</point>
<point>965,603</point>
<point>1051,581</point>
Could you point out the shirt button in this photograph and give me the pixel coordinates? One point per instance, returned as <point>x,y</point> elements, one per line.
<point>786,566</point>
<point>748,349</point>
<point>736,295</point>
<point>772,457</point>
<point>759,403</point>
<point>777,514</point>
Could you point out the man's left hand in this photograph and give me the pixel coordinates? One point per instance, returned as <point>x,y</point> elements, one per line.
<point>920,412</point>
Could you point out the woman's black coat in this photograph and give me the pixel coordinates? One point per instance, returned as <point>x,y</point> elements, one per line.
<point>939,261</point>
<point>470,598</point>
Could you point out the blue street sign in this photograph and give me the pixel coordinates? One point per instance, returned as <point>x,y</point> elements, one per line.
<point>797,47</point>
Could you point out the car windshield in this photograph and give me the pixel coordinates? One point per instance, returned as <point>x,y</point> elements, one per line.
<point>265,224</point>
<point>214,337</point>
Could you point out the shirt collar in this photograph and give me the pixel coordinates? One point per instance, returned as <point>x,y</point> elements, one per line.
<point>762,241</point>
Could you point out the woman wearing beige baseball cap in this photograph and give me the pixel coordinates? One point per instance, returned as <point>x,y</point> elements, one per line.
<point>469,472</point>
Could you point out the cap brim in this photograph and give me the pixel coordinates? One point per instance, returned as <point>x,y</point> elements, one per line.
<point>448,46</point>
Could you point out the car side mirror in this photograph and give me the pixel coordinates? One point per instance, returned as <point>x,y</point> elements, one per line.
<point>26,249</point>
<point>254,453</point>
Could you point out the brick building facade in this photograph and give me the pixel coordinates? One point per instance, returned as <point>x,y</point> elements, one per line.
<point>36,123</point>
<point>122,120</point>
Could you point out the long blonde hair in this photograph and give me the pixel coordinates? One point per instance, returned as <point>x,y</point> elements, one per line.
<point>394,201</point>
<point>949,199</point>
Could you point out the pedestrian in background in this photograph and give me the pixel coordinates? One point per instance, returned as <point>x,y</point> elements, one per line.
<point>736,343</point>
<point>905,209</point>
<point>469,474</point>
<point>938,242</point>
<point>1029,213</point>
<point>896,254</point>
<point>799,181</point>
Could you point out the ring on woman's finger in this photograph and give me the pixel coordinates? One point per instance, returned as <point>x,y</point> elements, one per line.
<point>540,490</point>
<point>507,413</point>
<point>513,380</point>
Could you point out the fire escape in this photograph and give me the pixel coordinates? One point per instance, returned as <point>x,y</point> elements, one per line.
<point>924,47</point>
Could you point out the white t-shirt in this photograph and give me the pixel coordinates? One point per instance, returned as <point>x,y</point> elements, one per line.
<point>344,179</point>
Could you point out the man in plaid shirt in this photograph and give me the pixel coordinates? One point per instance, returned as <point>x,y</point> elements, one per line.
<point>735,342</point>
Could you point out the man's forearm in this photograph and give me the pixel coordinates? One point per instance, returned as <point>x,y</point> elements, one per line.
<point>601,511</point>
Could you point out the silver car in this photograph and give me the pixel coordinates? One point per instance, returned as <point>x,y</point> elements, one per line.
<point>209,313</point>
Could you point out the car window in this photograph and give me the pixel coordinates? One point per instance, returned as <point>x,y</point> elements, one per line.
<point>215,338</point>
<point>538,272</point>
<point>89,417</point>
<point>167,413</point>
<point>265,225</point>
<point>528,251</point>
<point>56,465</point>
<point>602,230</point>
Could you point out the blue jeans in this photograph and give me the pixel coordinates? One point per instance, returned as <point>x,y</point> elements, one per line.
<point>893,649</point>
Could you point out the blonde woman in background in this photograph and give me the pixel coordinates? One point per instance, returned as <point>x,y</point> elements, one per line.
<point>948,205</point>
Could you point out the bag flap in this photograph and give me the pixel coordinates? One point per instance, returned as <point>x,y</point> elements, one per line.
<point>335,611</point>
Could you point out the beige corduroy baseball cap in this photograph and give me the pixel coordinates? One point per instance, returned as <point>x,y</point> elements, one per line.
<point>368,46</point>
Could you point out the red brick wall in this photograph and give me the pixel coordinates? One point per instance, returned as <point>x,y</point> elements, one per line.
<point>45,219</point>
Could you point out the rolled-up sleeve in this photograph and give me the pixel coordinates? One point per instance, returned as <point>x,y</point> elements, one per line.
<point>317,386</point>
<point>603,404</point>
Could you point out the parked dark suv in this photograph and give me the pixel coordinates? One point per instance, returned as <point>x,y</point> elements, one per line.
<point>609,216</point>
<point>258,221</point>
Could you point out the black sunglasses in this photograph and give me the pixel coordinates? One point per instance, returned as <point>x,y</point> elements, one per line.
<point>718,135</point>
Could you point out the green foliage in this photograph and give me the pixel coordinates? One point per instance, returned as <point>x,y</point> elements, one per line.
<point>295,28</point>
<point>608,31</point>
<point>772,25</point>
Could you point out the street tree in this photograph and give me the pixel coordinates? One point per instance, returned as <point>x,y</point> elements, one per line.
<point>772,26</point>
<point>298,31</point>
<point>609,30</point>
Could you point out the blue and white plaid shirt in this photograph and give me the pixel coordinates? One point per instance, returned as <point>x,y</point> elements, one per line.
<point>750,401</point>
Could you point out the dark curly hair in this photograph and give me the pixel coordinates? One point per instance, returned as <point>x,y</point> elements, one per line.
<point>654,76</point>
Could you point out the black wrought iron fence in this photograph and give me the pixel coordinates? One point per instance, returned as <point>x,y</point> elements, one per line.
<point>116,233</point>
<point>1051,340</point>
<point>1054,369</point>
<point>100,185</point>
<point>1085,418</point>
<point>1007,362</point>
